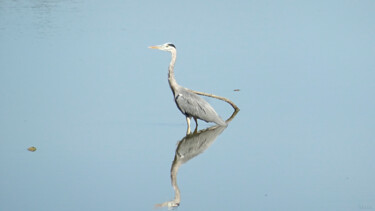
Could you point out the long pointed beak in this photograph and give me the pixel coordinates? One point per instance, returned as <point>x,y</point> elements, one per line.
<point>155,47</point>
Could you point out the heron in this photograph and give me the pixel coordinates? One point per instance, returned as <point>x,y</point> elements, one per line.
<point>189,103</point>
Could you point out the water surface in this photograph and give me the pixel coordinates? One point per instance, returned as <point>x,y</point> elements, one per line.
<point>78,83</point>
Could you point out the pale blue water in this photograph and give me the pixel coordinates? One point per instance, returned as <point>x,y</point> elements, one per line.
<point>78,82</point>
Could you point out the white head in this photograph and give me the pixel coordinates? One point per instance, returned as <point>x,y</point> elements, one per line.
<point>165,47</point>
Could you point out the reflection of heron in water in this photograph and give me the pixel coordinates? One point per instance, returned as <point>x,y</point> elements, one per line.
<point>189,103</point>
<point>189,147</point>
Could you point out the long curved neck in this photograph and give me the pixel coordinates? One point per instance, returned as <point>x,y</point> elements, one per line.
<point>171,79</point>
<point>177,195</point>
<point>175,166</point>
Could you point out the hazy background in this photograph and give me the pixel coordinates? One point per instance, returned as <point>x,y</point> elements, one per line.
<point>78,82</point>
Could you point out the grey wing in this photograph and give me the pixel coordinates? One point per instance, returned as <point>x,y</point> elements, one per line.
<point>192,105</point>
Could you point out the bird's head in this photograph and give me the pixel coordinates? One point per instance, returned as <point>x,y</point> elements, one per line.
<point>164,47</point>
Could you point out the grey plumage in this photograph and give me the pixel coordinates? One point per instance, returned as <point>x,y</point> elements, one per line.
<point>189,103</point>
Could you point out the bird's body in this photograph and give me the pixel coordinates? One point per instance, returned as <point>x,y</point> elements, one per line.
<point>189,103</point>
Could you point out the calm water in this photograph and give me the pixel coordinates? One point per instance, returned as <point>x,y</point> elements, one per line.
<point>78,82</point>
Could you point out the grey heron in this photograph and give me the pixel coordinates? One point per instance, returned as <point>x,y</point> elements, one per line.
<point>189,103</point>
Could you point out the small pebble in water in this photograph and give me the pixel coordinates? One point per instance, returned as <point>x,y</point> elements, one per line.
<point>32,149</point>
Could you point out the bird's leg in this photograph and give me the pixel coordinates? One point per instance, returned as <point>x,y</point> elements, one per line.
<point>196,125</point>
<point>188,125</point>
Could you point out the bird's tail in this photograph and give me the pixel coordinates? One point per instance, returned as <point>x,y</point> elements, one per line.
<point>220,122</point>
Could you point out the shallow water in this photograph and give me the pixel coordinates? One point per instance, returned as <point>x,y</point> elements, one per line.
<point>78,83</point>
